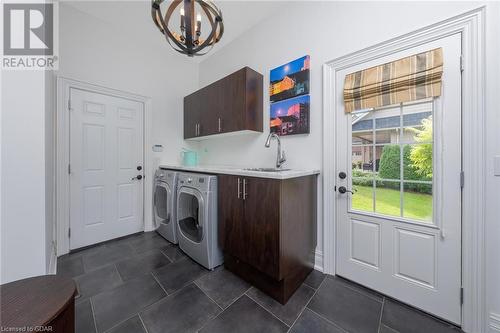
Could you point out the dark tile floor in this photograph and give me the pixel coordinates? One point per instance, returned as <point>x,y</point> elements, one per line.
<point>143,283</point>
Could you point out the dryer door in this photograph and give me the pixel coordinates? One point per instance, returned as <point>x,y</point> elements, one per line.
<point>191,214</point>
<point>162,203</point>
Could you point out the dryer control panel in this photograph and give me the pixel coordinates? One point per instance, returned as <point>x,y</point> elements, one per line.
<point>198,181</point>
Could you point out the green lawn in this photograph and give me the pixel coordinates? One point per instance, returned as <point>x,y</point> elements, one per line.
<point>416,205</point>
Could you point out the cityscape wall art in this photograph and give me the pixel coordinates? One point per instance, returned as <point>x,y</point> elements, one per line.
<point>290,116</point>
<point>289,98</point>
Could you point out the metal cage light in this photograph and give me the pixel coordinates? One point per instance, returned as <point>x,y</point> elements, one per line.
<point>188,40</point>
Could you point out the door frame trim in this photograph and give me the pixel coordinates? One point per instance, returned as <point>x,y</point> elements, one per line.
<point>64,85</point>
<point>471,25</point>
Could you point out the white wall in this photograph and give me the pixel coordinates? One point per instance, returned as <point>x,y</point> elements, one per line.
<point>50,170</point>
<point>96,52</point>
<point>23,251</point>
<point>325,31</point>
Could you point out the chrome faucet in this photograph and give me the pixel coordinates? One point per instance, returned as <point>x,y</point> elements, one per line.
<point>280,157</point>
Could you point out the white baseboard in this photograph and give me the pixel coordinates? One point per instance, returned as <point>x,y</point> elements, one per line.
<point>494,322</point>
<point>318,260</point>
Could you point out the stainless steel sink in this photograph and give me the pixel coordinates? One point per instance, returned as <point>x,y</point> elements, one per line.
<point>266,169</point>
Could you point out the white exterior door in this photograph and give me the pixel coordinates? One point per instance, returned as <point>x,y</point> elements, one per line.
<point>400,231</point>
<point>106,151</point>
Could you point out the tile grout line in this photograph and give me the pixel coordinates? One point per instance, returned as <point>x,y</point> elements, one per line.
<point>237,298</point>
<point>328,320</point>
<point>367,294</point>
<point>217,316</point>
<point>142,322</point>
<point>272,314</point>
<point>121,322</point>
<point>119,275</point>
<point>93,313</point>
<point>289,326</point>
<point>220,307</point>
<point>143,308</point>
<point>158,281</point>
<point>319,315</point>
<point>381,313</point>
<point>305,306</point>
<point>161,251</point>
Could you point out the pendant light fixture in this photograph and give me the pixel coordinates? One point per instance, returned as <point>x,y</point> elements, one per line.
<point>188,39</point>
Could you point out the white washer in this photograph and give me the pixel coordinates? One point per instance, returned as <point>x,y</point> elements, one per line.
<point>197,218</point>
<point>164,203</point>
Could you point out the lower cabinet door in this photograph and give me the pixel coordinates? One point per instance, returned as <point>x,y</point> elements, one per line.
<point>232,236</point>
<point>261,197</point>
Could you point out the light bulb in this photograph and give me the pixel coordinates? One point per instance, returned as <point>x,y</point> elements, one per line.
<point>182,11</point>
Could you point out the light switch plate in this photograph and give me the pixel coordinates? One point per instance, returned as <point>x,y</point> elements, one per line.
<point>157,148</point>
<point>496,168</point>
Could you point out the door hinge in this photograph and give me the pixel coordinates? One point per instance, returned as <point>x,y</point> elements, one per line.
<point>462,179</point>
<point>462,63</point>
<point>461,296</point>
<point>69,232</point>
<point>69,169</point>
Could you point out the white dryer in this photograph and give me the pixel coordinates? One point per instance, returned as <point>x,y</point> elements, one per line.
<point>197,218</point>
<point>164,203</point>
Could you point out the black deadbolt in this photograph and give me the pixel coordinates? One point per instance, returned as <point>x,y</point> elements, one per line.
<point>342,175</point>
<point>139,168</point>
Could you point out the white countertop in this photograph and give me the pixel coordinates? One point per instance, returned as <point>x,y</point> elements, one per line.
<point>238,171</point>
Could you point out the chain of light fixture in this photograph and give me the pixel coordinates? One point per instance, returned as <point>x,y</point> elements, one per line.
<point>188,40</point>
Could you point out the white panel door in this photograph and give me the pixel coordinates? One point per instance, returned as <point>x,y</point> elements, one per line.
<point>399,230</point>
<point>106,151</point>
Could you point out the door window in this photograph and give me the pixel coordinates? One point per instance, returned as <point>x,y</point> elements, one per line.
<point>189,217</point>
<point>161,200</point>
<point>392,161</point>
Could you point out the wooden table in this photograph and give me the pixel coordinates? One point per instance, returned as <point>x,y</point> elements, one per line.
<point>38,304</point>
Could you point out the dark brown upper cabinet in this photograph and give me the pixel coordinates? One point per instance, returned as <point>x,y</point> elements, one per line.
<point>231,104</point>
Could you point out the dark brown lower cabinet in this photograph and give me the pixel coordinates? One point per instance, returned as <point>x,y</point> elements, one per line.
<point>267,229</point>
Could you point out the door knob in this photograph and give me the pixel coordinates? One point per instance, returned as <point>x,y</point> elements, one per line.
<point>138,177</point>
<point>343,190</point>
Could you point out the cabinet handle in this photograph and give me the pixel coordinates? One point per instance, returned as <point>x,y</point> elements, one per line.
<point>196,130</point>
<point>220,127</point>
<point>239,188</point>
<point>245,194</point>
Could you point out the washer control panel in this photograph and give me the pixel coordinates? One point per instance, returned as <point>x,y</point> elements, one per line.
<point>199,181</point>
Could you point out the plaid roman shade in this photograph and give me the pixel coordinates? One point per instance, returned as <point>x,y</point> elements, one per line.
<point>404,80</point>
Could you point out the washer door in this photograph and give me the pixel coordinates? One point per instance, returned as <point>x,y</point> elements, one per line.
<point>162,203</point>
<point>191,214</point>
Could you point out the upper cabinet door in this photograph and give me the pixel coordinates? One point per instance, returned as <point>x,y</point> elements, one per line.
<point>262,224</point>
<point>253,100</point>
<point>191,115</point>
<point>214,106</point>
<point>232,114</point>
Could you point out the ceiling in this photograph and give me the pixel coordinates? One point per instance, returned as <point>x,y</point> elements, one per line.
<point>133,18</point>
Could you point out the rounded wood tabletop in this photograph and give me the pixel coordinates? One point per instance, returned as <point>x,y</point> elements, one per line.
<point>35,301</point>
